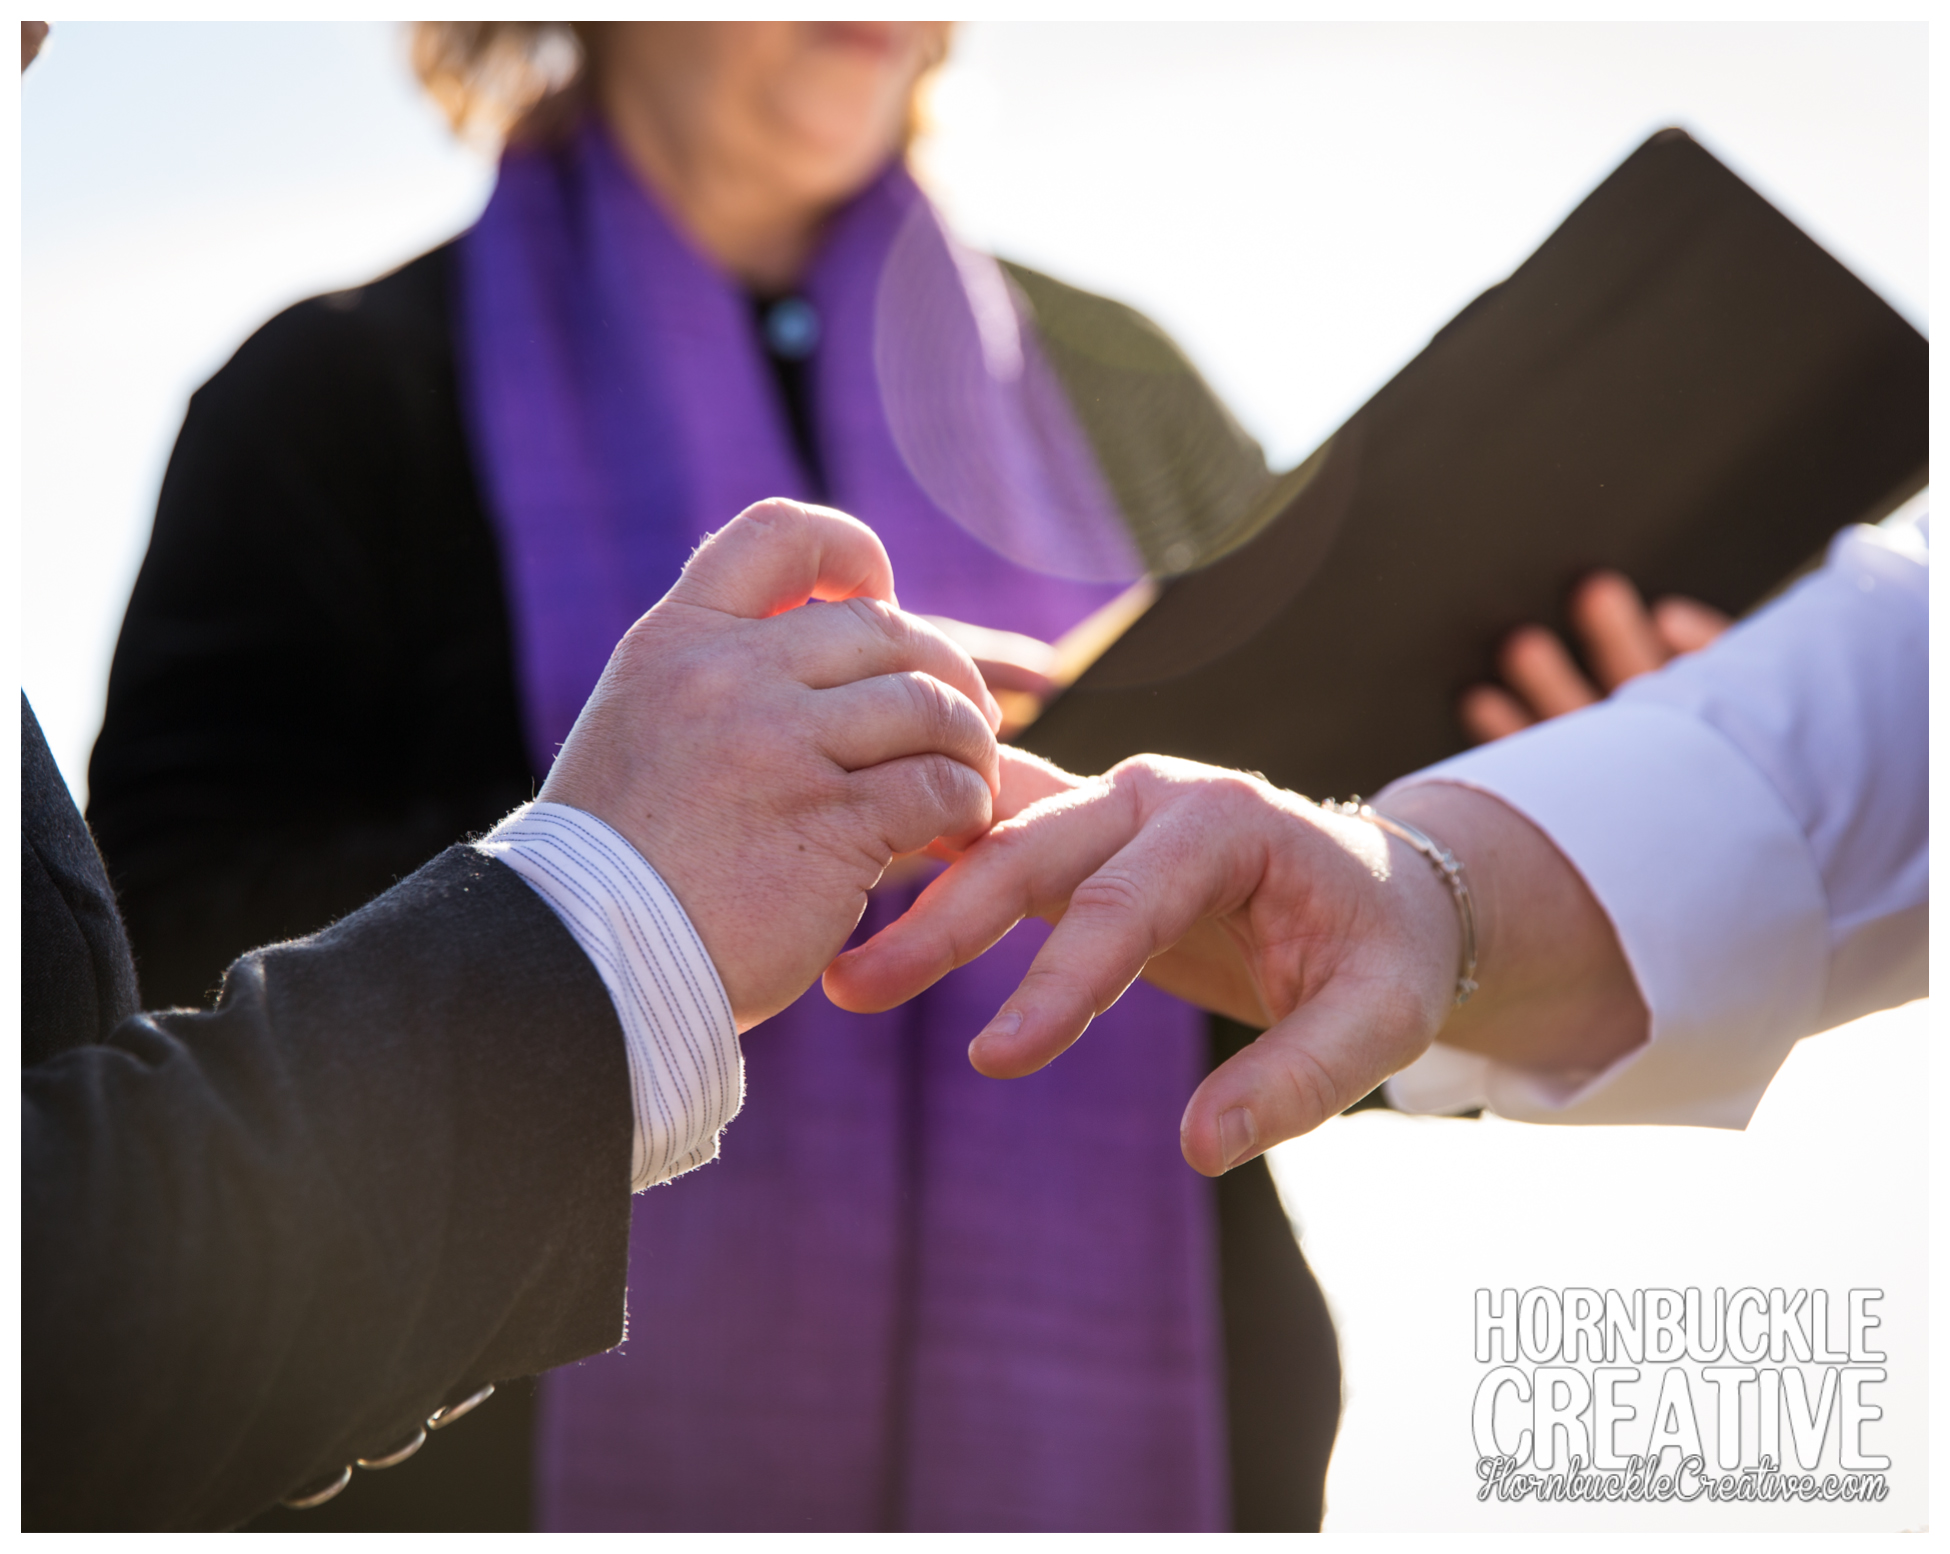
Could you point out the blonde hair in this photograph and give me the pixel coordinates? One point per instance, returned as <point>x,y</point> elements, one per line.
<point>497,80</point>
<point>527,80</point>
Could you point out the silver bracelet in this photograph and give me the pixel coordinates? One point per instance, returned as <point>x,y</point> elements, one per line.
<point>1448,866</point>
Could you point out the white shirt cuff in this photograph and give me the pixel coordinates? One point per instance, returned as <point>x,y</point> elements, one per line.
<point>1711,887</point>
<point>687,1075</point>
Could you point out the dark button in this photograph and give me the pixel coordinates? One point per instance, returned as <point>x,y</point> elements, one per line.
<point>396,1455</point>
<point>440,1418</point>
<point>321,1491</point>
<point>791,329</point>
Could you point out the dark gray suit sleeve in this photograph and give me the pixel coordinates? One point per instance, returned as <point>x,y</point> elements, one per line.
<point>392,1164</point>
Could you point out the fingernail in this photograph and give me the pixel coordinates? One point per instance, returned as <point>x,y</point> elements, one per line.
<point>1238,1136</point>
<point>1006,1023</point>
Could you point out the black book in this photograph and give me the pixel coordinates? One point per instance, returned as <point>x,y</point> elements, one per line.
<point>1680,384</point>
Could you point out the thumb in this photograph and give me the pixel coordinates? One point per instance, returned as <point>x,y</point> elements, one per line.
<point>1311,1066</point>
<point>777,554</point>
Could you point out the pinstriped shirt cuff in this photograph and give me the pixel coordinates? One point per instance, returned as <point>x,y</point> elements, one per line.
<point>687,1076</point>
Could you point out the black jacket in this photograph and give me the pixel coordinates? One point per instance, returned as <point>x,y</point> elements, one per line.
<point>257,1242</point>
<point>314,692</point>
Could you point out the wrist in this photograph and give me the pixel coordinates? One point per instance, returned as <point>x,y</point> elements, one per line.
<point>1449,870</point>
<point>1401,918</point>
<point>1454,819</point>
<point>1554,989</point>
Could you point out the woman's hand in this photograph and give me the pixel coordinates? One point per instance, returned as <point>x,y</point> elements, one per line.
<point>1621,640</point>
<point>1226,891</point>
<point>1218,887</point>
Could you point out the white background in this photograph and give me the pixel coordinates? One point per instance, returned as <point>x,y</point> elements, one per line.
<point>1301,206</point>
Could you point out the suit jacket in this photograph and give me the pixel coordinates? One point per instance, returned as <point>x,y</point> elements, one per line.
<point>314,691</point>
<point>257,1242</point>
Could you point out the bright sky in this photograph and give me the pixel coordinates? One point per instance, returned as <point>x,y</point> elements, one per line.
<point>1301,206</point>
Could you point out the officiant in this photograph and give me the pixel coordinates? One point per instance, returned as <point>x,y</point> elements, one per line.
<point>707,275</point>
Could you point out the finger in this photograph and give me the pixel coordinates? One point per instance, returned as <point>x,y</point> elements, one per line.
<point>1540,670</point>
<point>1008,660</point>
<point>1027,865</point>
<point>1019,708</point>
<point>894,715</point>
<point>1004,675</point>
<point>1139,904</point>
<point>1028,779</point>
<point>778,554</point>
<point>1611,620</point>
<point>900,806</point>
<point>1686,625</point>
<point>1489,713</point>
<point>1309,1067</point>
<point>837,644</point>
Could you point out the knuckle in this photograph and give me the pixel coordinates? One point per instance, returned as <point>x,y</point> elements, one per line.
<point>1138,771</point>
<point>880,626</point>
<point>922,797</point>
<point>916,643</point>
<point>1240,794</point>
<point>1010,840</point>
<point>955,794</point>
<point>942,715</point>
<point>1131,785</point>
<point>946,781</point>
<point>878,616</point>
<point>1061,989</point>
<point>1151,782</point>
<point>1312,1091</point>
<point>920,782</point>
<point>913,642</point>
<point>775,514</point>
<point>1110,892</point>
<point>921,703</point>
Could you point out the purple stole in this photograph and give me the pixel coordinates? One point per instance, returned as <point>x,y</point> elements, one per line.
<point>906,1297</point>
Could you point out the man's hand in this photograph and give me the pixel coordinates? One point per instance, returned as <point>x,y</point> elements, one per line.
<point>1227,891</point>
<point>769,756</point>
